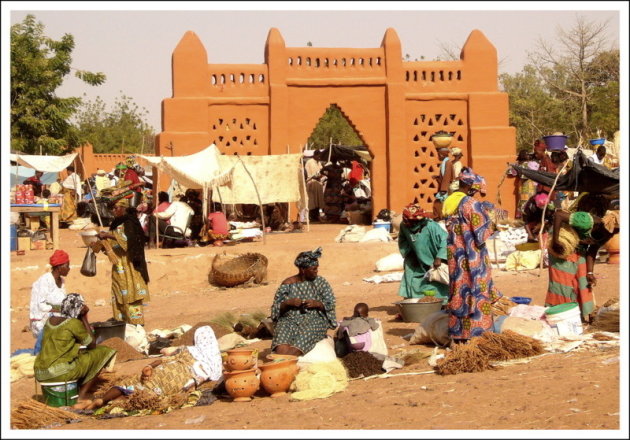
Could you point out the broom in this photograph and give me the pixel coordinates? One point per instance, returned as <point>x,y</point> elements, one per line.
<point>31,414</point>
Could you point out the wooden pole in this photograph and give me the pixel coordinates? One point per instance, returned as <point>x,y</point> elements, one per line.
<point>262,214</point>
<point>303,181</point>
<point>100,222</point>
<point>542,220</point>
<point>289,204</point>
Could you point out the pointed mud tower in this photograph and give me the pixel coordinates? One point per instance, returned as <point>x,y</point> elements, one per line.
<point>395,107</point>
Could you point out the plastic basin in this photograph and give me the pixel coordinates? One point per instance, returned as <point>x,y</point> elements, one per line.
<point>556,142</point>
<point>598,141</point>
<point>521,300</point>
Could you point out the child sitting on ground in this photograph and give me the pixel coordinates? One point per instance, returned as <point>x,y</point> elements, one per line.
<point>359,322</point>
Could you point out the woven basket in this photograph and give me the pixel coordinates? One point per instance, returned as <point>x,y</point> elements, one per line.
<point>232,270</point>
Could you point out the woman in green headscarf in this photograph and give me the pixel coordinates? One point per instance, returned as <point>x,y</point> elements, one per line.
<point>576,239</point>
<point>422,243</point>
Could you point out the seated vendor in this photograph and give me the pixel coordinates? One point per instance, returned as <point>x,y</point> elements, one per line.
<point>303,308</point>
<point>60,359</point>
<point>188,367</point>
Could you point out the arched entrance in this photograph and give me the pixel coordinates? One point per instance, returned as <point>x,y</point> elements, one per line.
<point>394,105</point>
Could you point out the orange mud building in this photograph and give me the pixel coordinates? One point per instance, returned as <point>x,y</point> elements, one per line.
<point>395,107</point>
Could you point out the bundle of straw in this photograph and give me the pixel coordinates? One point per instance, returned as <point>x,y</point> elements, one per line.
<point>31,414</point>
<point>478,354</point>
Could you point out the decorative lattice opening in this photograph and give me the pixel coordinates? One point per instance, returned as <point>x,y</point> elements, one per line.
<point>235,135</point>
<point>425,162</point>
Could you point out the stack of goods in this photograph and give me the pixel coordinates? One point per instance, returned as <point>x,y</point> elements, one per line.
<point>24,195</point>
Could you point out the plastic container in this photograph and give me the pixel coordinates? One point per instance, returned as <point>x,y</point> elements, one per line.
<point>521,300</point>
<point>413,311</point>
<point>109,329</point>
<point>60,393</point>
<point>14,242</point>
<point>565,319</point>
<point>384,225</point>
<point>556,142</point>
<point>598,141</point>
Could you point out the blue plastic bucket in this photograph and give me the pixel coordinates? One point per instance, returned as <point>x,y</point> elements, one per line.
<point>14,240</point>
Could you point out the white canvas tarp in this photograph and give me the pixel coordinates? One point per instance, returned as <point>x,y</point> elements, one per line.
<point>196,170</point>
<point>278,178</point>
<point>51,164</point>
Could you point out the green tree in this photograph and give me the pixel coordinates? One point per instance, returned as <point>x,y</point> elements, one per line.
<point>334,126</point>
<point>603,82</point>
<point>123,129</point>
<point>40,120</point>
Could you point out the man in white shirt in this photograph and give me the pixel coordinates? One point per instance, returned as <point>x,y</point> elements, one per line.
<point>71,190</point>
<point>178,214</point>
<point>599,155</point>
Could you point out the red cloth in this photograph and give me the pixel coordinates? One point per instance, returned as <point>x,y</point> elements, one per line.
<point>59,257</point>
<point>219,222</point>
<point>132,176</point>
<point>162,207</point>
<point>356,172</point>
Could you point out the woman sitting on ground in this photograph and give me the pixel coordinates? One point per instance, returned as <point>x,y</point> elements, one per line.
<point>61,359</point>
<point>303,308</point>
<point>187,368</point>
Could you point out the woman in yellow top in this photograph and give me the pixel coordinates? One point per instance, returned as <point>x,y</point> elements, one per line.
<point>129,275</point>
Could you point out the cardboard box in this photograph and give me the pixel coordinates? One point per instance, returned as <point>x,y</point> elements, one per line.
<point>24,243</point>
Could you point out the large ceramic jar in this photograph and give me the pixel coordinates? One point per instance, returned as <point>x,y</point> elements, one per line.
<point>612,246</point>
<point>276,376</point>
<point>241,385</point>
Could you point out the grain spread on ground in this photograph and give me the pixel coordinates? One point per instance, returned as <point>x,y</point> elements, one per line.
<point>125,352</point>
<point>362,363</point>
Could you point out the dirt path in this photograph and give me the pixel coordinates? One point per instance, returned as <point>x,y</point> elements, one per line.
<point>577,390</point>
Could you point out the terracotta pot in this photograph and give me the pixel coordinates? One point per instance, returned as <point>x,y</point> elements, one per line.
<point>240,359</point>
<point>276,377</point>
<point>241,385</point>
<point>612,246</point>
<point>442,140</point>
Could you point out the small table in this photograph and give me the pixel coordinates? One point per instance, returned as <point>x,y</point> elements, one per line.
<point>52,208</point>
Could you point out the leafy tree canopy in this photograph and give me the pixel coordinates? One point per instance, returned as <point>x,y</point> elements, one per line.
<point>40,120</point>
<point>333,126</point>
<point>123,129</point>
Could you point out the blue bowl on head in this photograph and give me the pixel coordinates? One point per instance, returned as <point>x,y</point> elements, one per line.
<point>599,141</point>
<point>521,300</point>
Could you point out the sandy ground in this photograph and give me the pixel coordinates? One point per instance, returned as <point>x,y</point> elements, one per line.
<point>575,390</point>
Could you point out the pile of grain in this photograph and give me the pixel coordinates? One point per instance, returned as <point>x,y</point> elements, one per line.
<point>188,338</point>
<point>429,299</point>
<point>31,414</point>
<point>125,352</point>
<point>479,352</point>
<point>362,363</point>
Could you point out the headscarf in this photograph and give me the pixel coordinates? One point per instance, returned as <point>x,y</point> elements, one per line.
<point>413,212</point>
<point>467,177</point>
<point>130,161</point>
<point>541,200</point>
<point>456,151</point>
<point>59,257</point>
<point>121,166</point>
<point>308,258</point>
<point>71,305</point>
<point>479,184</point>
<point>122,202</point>
<point>582,222</point>
<point>208,362</point>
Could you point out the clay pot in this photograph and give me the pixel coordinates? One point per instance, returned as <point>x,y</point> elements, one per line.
<point>442,139</point>
<point>241,385</point>
<point>240,359</point>
<point>276,377</point>
<point>612,246</point>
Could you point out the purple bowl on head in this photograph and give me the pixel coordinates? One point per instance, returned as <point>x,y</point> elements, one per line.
<point>556,142</point>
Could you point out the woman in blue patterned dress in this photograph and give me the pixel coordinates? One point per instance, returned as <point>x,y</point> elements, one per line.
<point>472,290</point>
<point>303,308</point>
